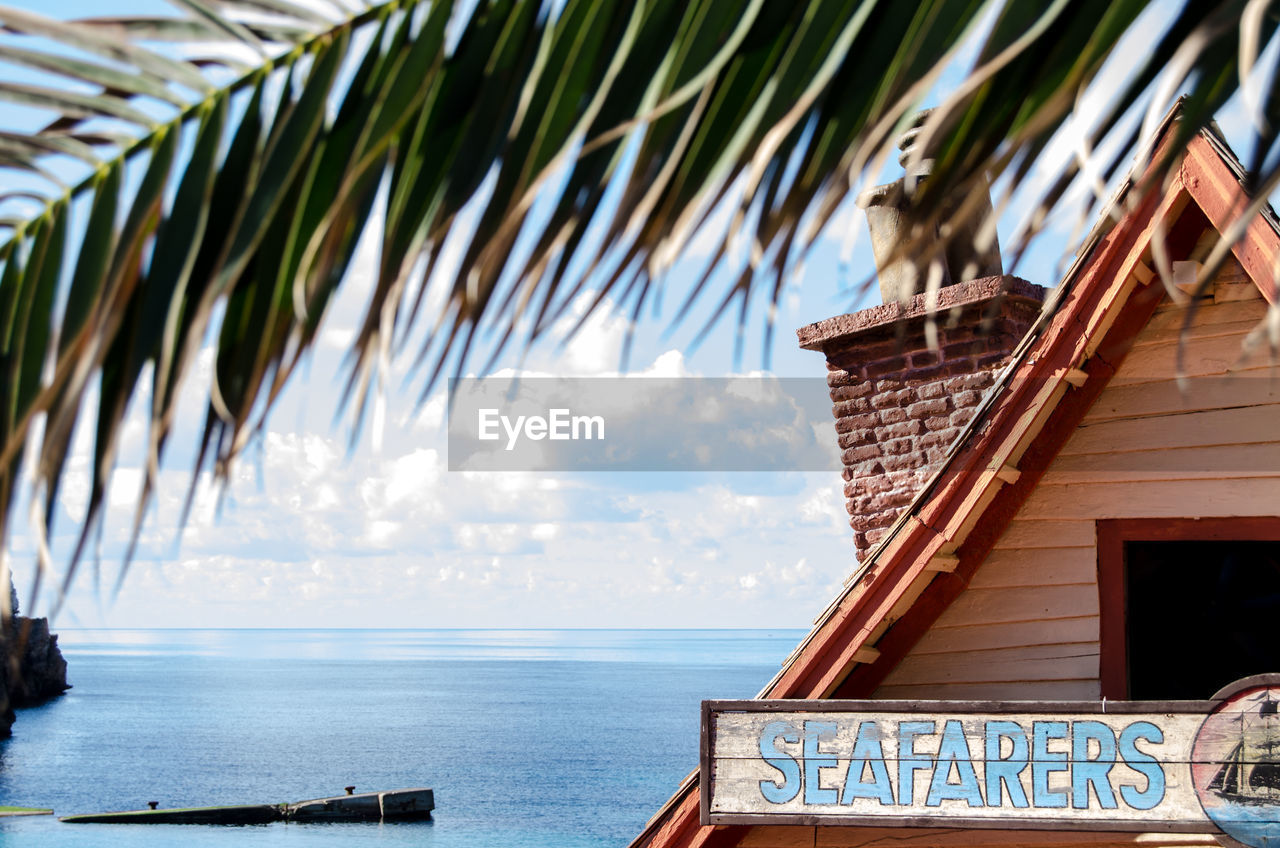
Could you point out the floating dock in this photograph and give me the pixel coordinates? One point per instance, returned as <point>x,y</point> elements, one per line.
<point>395,805</point>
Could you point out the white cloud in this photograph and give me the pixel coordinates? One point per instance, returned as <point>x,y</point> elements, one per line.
<point>480,550</point>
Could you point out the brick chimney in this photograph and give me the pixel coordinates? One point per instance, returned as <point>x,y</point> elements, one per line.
<point>898,404</point>
<point>899,401</point>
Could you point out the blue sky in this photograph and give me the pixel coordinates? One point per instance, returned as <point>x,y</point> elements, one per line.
<point>312,534</point>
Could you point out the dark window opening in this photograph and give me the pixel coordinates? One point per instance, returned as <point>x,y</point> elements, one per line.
<point>1199,615</point>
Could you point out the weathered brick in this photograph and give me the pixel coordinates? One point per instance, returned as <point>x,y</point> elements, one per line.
<point>866,351</point>
<point>907,461</point>
<point>852,391</point>
<point>869,485</point>
<point>870,477</point>
<point>875,520</point>
<point>962,350</point>
<point>879,368</point>
<point>879,503</point>
<point>888,500</point>
<point>958,333</point>
<point>968,397</point>
<point>845,408</point>
<point>978,381</point>
<point>897,447</point>
<point>901,478</point>
<point>962,417</point>
<point>841,378</point>
<point>927,408</point>
<point>865,469</point>
<point>921,375</point>
<point>893,416</point>
<point>860,522</point>
<point>902,429</point>
<point>940,437</point>
<point>893,400</point>
<point>929,391</point>
<point>855,438</point>
<point>847,360</point>
<point>858,454</point>
<point>874,536</point>
<point>924,358</point>
<point>862,421</point>
<point>937,422</point>
<point>884,519</point>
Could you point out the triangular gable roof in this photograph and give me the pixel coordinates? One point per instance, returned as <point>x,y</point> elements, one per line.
<point>1057,372</point>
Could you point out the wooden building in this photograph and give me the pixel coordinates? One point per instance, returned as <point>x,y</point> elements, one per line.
<point>1045,506</point>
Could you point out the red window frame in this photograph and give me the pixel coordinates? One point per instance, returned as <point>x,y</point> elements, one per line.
<point>1112,534</point>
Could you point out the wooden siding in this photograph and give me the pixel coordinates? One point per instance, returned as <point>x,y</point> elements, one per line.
<point>1027,625</point>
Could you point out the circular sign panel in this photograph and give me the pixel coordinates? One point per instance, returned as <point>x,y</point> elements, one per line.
<point>1236,763</point>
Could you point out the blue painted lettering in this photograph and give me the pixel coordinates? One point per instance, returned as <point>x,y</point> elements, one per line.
<point>909,759</point>
<point>776,792</point>
<point>867,752</point>
<point>1006,770</point>
<point>1144,763</point>
<point>1045,762</point>
<point>815,760</point>
<point>1086,770</point>
<point>953,753</point>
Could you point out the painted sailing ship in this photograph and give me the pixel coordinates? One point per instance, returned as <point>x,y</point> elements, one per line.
<point>1250,772</point>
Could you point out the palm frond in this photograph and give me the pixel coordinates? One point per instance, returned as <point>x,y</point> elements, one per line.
<point>228,157</point>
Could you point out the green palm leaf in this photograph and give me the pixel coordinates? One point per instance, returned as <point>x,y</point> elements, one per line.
<point>776,107</point>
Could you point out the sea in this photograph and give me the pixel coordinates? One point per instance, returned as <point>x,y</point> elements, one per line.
<point>529,738</point>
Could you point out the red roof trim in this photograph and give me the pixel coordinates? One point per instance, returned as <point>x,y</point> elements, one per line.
<point>1218,192</point>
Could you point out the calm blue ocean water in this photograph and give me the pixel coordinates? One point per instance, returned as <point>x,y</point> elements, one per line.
<point>531,739</point>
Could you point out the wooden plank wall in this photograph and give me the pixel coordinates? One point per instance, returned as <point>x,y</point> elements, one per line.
<point>1027,625</point>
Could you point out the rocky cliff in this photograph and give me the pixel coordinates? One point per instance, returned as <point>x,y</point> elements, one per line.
<point>32,669</point>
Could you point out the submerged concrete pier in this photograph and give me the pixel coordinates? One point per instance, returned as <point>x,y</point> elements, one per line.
<point>239,814</point>
<point>395,804</point>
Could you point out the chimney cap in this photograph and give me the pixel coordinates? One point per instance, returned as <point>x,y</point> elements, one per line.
<point>842,328</point>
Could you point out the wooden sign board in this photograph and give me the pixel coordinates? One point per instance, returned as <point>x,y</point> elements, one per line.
<point>1191,766</point>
